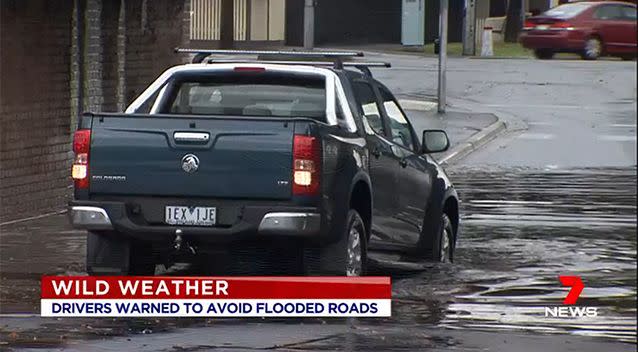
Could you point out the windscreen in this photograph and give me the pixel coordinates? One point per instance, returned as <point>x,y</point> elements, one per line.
<point>566,10</point>
<point>259,93</point>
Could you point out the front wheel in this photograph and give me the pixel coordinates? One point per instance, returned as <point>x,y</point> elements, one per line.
<point>443,250</point>
<point>346,257</point>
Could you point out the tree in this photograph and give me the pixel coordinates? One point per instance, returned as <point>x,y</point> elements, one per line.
<point>514,20</point>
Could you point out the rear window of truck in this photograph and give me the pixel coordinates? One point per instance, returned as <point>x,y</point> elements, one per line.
<point>260,94</point>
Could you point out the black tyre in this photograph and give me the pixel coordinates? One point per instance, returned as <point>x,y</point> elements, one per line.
<point>346,257</point>
<point>109,254</point>
<point>593,48</point>
<point>628,57</point>
<point>443,249</point>
<point>544,54</point>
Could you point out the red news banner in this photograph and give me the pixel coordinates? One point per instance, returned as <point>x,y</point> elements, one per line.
<point>126,296</point>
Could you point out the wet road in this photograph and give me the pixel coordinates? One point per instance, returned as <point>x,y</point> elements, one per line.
<point>522,228</point>
<point>557,197</point>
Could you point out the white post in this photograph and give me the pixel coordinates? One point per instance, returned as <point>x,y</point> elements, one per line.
<point>309,24</point>
<point>442,54</point>
<point>487,45</point>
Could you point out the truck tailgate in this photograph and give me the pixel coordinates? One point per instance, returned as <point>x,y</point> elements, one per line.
<point>159,156</point>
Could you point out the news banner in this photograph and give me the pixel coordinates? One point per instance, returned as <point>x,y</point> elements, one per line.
<point>129,296</point>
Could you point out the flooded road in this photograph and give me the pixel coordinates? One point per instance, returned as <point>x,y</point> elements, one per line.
<point>521,229</point>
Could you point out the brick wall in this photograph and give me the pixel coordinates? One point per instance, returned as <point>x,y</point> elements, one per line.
<point>153,30</point>
<point>128,43</point>
<point>35,106</point>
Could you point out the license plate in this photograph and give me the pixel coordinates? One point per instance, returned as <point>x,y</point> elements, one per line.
<point>543,27</point>
<point>193,216</point>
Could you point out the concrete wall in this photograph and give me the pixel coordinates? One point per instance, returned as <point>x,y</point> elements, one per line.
<point>127,45</point>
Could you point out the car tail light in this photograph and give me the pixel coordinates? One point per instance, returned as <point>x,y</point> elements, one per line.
<point>528,25</point>
<point>562,26</point>
<point>80,170</point>
<point>306,165</point>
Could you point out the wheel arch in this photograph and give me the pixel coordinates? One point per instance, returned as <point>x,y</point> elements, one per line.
<point>451,209</point>
<point>360,199</point>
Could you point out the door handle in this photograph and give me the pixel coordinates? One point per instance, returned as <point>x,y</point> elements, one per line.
<point>376,152</point>
<point>403,163</point>
<point>191,137</point>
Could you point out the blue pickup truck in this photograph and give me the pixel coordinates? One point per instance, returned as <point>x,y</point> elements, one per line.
<point>220,153</point>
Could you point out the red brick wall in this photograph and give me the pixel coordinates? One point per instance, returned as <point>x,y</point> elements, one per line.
<point>35,106</point>
<point>125,49</point>
<point>152,34</point>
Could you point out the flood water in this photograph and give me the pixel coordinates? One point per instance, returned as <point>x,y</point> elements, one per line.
<point>521,229</point>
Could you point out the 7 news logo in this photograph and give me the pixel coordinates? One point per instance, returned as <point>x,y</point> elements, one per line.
<point>569,308</point>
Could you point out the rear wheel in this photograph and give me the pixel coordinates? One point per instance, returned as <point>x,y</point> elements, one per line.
<point>593,48</point>
<point>543,54</point>
<point>108,254</point>
<point>346,257</point>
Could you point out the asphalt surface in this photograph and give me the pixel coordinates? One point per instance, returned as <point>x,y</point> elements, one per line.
<point>553,196</point>
<point>576,113</point>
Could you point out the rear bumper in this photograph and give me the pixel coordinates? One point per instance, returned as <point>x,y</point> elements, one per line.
<point>254,222</point>
<point>555,40</point>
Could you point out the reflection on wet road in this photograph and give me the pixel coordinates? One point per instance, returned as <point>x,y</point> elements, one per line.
<point>521,229</point>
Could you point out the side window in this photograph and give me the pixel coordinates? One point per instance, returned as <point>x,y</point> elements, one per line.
<point>399,125</point>
<point>368,107</point>
<point>629,13</point>
<point>608,12</point>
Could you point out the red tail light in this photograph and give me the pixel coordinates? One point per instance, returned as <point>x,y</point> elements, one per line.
<point>528,24</point>
<point>80,170</point>
<point>562,25</point>
<point>306,162</point>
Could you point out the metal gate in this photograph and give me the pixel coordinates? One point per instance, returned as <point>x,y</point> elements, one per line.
<point>206,19</point>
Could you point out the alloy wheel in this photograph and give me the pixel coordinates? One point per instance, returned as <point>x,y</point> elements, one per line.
<point>354,265</point>
<point>445,255</point>
<point>593,48</point>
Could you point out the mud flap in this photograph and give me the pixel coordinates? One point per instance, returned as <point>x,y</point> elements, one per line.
<point>107,255</point>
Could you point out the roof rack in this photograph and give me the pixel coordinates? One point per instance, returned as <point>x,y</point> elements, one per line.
<point>280,56</point>
<point>201,54</point>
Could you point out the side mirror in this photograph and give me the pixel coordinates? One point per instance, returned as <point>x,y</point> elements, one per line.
<point>434,141</point>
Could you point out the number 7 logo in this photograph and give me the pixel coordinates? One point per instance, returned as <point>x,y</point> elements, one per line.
<point>577,287</point>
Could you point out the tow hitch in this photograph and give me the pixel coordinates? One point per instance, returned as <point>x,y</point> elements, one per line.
<point>180,245</point>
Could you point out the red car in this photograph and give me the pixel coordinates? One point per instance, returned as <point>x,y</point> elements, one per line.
<point>589,28</point>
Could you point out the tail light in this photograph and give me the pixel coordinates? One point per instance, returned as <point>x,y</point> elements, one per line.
<point>306,166</point>
<point>80,170</point>
<point>562,26</point>
<point>528,25</point>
